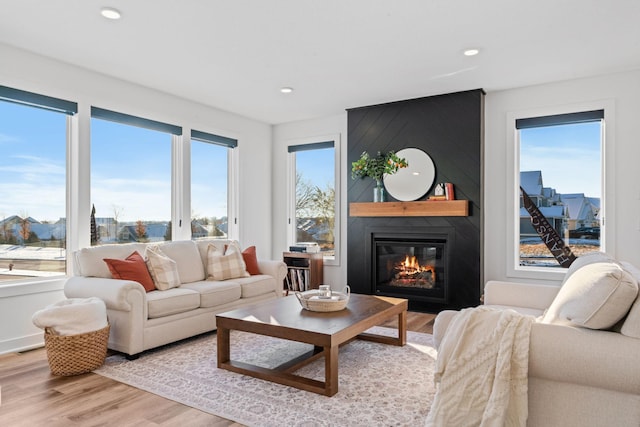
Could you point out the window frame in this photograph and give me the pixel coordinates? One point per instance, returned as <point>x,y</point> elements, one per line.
<point>176,135</point>
<point>232,144</point>
<point>70,110</point>
<point>291,192</point>
<point>513,269</point>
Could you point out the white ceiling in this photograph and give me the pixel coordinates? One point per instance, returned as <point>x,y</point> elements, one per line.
<point>337,54</point>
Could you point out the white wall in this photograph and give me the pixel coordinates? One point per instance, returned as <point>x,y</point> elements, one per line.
<point>23,70</point>
<point>291,133</point>
<point>17,305</point>
<point>619,91</point>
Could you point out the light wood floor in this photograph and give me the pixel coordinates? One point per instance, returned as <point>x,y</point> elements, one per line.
<point>31,396</point>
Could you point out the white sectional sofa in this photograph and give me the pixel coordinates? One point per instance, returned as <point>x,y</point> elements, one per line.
<point>580,373</point>
<point>142,320</point>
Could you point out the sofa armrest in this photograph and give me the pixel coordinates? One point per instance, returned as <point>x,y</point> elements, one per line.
<point>441,324</point>
<point>519,294</point>
<point>601,359</point>
<point>127,310</point>
<point>274,268</point>
<point>115,293</point>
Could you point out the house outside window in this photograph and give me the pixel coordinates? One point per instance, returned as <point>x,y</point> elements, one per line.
<point>560,180</point>
<point>34,133</point>
<point>313,196</point>
<point>131,176</point>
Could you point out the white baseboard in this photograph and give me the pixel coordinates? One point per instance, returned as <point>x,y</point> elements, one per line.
<point>24,343</point>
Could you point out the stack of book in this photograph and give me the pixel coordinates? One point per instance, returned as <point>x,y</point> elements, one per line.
<point>447,187</point>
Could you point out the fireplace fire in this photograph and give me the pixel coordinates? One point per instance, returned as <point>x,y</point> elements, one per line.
<point>412,266</point>
<point>411,274</point>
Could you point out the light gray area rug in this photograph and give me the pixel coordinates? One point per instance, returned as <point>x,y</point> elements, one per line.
<point>379,385</point>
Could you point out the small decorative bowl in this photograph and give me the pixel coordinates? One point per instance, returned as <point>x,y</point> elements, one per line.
<point>314,300</point>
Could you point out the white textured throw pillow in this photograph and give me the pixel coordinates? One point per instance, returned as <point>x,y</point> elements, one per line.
<point>586,259</point>
<point>595,296</point>
<point>222,267</point>
<point>631,325</point>
<point>164,270</point>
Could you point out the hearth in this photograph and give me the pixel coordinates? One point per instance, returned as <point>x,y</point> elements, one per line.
<point>413,265</point>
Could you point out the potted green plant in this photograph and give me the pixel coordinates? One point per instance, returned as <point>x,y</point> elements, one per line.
<point>376,167</point>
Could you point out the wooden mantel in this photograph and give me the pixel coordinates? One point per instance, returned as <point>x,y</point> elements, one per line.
<point>424,208</point>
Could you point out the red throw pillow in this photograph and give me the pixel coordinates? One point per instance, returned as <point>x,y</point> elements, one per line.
<point>132,268</point>
<point>251,260</point>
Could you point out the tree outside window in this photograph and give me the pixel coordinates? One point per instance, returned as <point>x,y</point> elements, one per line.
<point>314,213</point>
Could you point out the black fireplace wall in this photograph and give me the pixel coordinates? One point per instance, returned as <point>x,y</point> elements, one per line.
<point>450,129</point>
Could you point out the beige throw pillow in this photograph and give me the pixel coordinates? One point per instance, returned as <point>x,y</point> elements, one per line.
<point>222,267</point>
<point>163,269</point>
<point>595,296</point>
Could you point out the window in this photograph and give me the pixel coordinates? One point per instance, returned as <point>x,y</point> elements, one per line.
<point>211,156</point>
<point>130,178</point>
<point>560,188</point>
<point>313,207</point>
<point>33,138</point>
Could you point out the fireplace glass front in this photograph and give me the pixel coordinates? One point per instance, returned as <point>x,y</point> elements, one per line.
<point>411,267</point>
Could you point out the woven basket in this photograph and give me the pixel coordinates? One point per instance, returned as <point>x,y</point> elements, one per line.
<point>76,354</point>
<point>313,300</point>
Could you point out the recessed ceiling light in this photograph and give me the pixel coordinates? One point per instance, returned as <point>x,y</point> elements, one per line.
<point>471,52</point>
<point>286,89</point>
<point>110,13</point>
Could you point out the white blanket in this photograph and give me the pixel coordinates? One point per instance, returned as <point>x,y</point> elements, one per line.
<point>72,316</point>
<point>481,370</point>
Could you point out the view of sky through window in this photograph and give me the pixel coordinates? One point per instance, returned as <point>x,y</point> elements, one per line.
<point>209,181</point>
<point>317,166</point>
<point>130,172</point>
<point>568,156</point>
<point>33,162</point>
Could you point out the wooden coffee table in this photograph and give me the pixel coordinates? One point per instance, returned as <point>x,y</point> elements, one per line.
<point>285,318</point>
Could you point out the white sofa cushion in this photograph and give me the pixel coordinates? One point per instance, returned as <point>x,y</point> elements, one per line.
<point>163,269</point>
<point>214,293</point>
<point>256,285</point>
<point>514,294</point>
<point>89,261</point>
<point>185,254</point>
<point>631,325</point>
<point>171,301</point>
<point>595,296</point>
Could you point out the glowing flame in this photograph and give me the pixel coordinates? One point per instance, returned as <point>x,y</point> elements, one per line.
<point>410,267</point>
<point>411,262</point>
